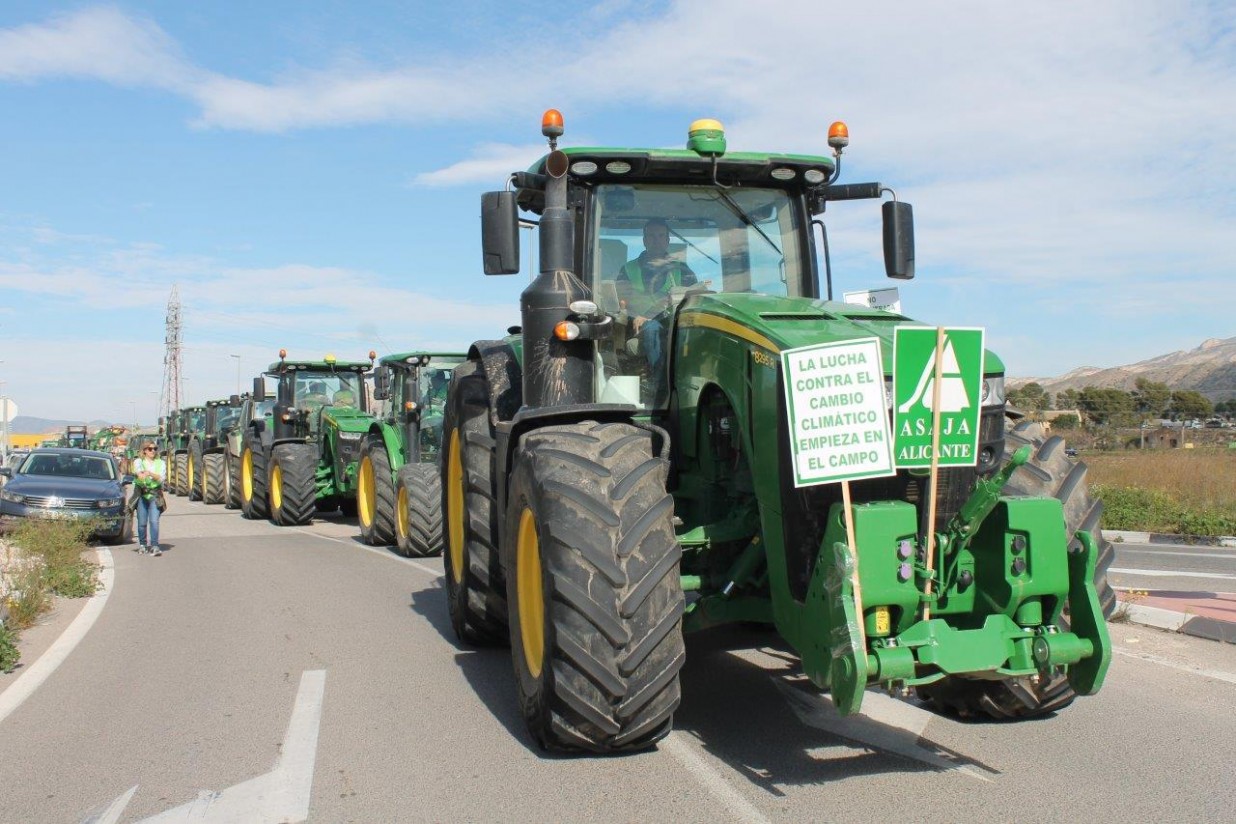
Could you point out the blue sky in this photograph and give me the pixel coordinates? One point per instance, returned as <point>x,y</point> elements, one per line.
<point>308,173</point>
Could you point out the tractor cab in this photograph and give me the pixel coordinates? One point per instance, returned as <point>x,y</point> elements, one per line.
<point>221,416</point>
<point>412,387</point>
<point>308,391</point>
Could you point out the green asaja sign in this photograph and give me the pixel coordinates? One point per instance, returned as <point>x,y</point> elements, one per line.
<point>960,369</point>
<point>838,415</point>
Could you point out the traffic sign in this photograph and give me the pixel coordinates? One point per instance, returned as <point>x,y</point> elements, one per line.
<point>838,414</point>
<point>958,362</point>
<point>8,410</point>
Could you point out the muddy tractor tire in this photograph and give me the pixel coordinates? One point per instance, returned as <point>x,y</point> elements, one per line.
<point>213,487</point>
<point>418,508</point>
<point>1050,472</point>
<point>375,494</point>
<point>291,484</point>
<point>196,471</point>
<point>594,588</point>
<point>475,587</point>
<point>231,481</point>
<point>254,502</point>
<point>180,483</point>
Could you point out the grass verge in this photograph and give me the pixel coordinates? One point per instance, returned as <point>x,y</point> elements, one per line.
<point>1179,491</point>
<point>42,558</point>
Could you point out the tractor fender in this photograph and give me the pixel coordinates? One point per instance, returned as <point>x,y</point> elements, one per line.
<point>503,377</point>
<point>390,439</point>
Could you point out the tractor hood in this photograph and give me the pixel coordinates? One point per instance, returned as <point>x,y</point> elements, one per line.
<point>347,419</point>
<point>780,323</point>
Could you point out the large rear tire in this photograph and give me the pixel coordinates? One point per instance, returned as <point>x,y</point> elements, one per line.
<point>1049,472</point>
<point>375,494</point>
<point>418,508</point>
<point>594,588</point>
<point>253,499</point>
<point>231,481</point>
<point>181,474</point>
<point>475,587</point>
<point>214,481</point>
<point>291,484</point>
<point>196,472</point>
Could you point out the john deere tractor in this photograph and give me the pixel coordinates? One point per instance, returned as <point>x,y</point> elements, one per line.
<point>398,495</point>
<point>309,453</point>
<point>207,473</point>
<point>252,503</point>
<point>179,428</point>
<point>619,470</point>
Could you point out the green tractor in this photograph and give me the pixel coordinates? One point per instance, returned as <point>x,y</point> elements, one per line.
<point>255,505</point>
<point>207,471</point>
<point>177,428</point>
<point>306,459</point>
<point>617,472</point>
<point>398,495</point>
<point>75,437</point>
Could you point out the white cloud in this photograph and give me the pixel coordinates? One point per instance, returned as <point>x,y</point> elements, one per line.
<point>490,164</point>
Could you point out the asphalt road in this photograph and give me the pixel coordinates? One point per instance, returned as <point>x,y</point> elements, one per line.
<point>255,673</point>
<point>1174,567</point>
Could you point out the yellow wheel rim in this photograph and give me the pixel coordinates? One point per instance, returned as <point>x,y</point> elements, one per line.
<point>276,488</point>
<point>529,590</point>
<point>401,513</point>
<point>246,475</point>
<point>366,494</point>
<point>191,472</point>
<point>455,513</point>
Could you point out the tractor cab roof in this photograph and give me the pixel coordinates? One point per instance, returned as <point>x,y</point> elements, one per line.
<point>591,165</point>
<point>406,359</point>
<point>223,402</point>
<point>281,367</point>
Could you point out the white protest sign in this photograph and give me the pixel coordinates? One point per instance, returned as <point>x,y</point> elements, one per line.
<point>839,426</point>
<point>888,299</point>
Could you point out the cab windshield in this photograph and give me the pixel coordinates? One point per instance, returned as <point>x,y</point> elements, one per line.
<point>225,418</point>
<point>654,244</point>
<point>340,389</point>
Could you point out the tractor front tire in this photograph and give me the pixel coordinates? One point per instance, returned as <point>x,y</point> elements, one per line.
<point>213,478</point>
<point>293,488</point>
<point>254,503</point>
<point>594,588</point>
<point>375,494</point>
<point>475,587</point>
<point>418,508</point>
<point>181,474</point>
<point>1049,472</point>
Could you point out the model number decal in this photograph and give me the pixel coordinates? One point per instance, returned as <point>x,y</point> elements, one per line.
<point>763,358</point>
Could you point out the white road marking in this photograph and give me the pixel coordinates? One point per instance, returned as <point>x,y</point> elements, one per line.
<point>1226,556</point>
<point>1218,675</point>
<point>884,724</point>
<point>38,672</point>
<point>281,796</point>
<point>1166,573</point>
<point>675,747</point>
<point>375,550</point>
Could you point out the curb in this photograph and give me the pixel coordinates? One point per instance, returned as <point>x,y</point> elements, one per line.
<point>1127,536</point>
<point>1182,622</point>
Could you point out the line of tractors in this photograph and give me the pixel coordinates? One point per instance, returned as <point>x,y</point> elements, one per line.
<point>360,437</point>
<point>616,471</point>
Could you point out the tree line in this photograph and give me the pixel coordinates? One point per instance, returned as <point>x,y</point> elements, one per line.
<point>1116,407</point>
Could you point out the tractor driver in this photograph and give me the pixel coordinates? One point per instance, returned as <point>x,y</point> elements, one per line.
<point>344,397</point>
<point>643,287</point>
<point>317,396</point>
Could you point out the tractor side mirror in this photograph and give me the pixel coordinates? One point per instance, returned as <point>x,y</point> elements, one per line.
<point>381,383</point>
<point>898,239</point>
<point>500,233</point>
<point>259,389</point>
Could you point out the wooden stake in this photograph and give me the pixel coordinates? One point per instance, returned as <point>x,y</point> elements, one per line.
<point>935,465</point>
<point>857,586</point>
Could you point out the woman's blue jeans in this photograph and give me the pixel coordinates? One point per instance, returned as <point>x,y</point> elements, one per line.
<point>148,516</point>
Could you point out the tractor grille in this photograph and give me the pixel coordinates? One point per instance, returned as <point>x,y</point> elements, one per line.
<point>54,502</point>
<point>348,451</point>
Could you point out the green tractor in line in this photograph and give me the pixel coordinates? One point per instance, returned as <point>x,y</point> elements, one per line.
<point>603,495</point>
<point>180,426</point>
<point>75,437</point>
<point>233,454</point>
<point>398,495</point>
<point>307,458</point>
<point>207,471</point>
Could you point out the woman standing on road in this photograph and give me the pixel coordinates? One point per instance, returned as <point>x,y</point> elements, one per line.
<point>150,471</point>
